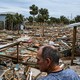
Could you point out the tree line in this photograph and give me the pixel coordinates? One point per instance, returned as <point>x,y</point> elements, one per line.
<point>42,15</point>
<point>39,16</point>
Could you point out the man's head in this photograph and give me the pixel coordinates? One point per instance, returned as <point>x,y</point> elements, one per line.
<point>47,58</point>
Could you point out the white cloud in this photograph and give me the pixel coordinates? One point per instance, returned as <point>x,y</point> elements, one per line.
<point>56,7</point>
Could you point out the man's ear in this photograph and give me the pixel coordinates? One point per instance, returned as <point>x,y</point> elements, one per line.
<point>48,61</point>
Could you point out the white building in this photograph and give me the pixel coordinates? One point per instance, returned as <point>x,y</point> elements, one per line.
<point>2,21</point>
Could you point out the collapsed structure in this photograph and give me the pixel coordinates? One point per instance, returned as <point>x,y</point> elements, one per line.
<point>18,52</point>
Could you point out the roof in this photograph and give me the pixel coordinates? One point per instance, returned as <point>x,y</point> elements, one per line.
<point>74,25</point>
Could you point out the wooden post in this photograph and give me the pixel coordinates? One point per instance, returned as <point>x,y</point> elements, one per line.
<point>17,53</point>
<point>73,44</point>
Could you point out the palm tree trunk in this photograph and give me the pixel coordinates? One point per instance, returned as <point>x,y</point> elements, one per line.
<point>18,28</point>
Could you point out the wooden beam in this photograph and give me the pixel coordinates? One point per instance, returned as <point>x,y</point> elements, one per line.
<point>8,56</point>
<point>9,45</point>
<point>73,44</point>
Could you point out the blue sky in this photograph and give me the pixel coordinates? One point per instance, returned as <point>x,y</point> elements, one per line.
<point>56,8</point>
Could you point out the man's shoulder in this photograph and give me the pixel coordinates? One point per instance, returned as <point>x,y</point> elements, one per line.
<point>47,78</point>
<point>69,71</point>
<point>67,74</point>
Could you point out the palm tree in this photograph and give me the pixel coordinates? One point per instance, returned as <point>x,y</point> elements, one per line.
<point>14,20</point>
<point>9,20</point>
<point>33,10</point>
<point>30,19</point>
<point>43,15</point>
<point>77,18</point>
<point>19,18</point>
<point>64,20</point>
<point>53,20</point>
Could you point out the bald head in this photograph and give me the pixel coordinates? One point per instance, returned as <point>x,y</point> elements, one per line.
<point>41,48</point>
<point>49,52</point>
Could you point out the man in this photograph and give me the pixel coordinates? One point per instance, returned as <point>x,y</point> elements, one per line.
<point>48,61</point>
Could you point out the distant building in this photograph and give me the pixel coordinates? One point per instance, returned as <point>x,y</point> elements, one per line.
<point>2,21</point>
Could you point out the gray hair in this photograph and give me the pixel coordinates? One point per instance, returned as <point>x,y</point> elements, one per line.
<point>51,53</point>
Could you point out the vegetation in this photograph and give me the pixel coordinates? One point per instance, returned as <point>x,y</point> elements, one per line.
<point>33,11</point>
<point>14,21</point>
<point>42,15</point>
<point>39,16</point>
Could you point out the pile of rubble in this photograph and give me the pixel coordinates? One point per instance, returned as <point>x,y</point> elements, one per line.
<point>30,40</point>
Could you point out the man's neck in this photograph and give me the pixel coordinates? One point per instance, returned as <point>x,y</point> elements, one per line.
<point>54,69</point>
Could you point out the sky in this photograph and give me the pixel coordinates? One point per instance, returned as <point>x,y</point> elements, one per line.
<point>56,8</point>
